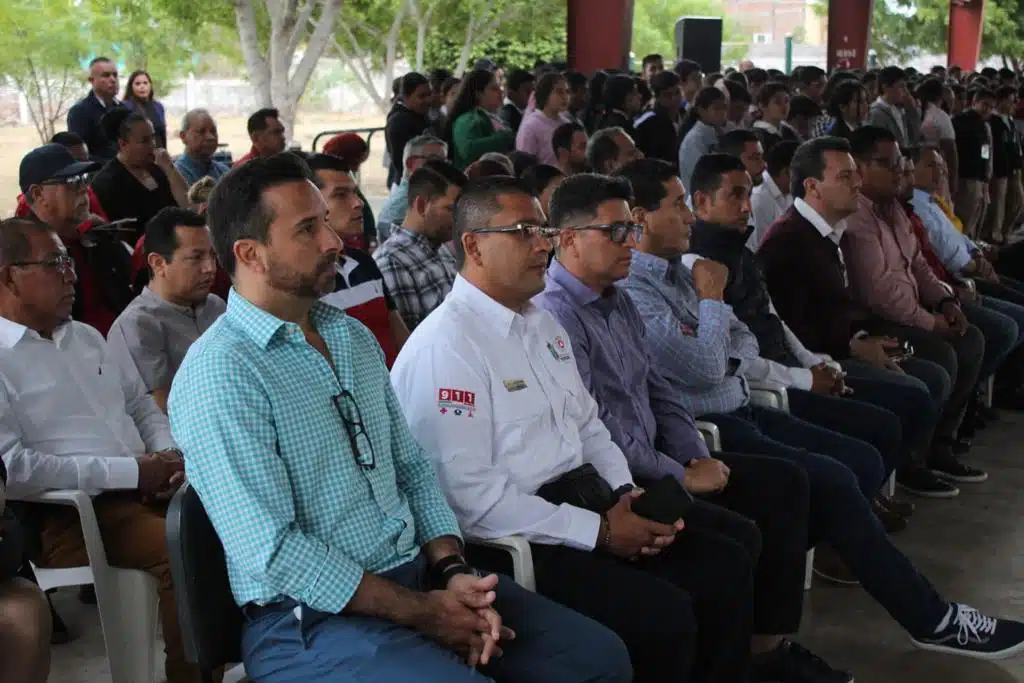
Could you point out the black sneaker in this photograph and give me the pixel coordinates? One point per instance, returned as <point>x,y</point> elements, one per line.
<point>948,466</point>
<point>967,632</point>
<point>921,482</point>
<point>792,663</point>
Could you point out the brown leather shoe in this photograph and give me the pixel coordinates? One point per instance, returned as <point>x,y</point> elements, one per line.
<point>900,507</point>
<point>829,566</point>
<point>892,522</point>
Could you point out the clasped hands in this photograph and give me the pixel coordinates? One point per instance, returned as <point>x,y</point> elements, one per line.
<point>160,474</point>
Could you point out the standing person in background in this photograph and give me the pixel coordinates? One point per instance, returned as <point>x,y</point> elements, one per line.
<point>536,133</point>
<point>409,118</point>
<point>657,129</point>
<point>1004,189</point>
<point>700,130</point>
<point>139,97</point>
<point>266,132</point>
<point>518,88</point>
<point>473,128</point>
<point>621,103</point>
<point>937,127</point>
<point>84,117</point>
<point>141,179</point>
<point>889,111</point>
<point>974,152</point>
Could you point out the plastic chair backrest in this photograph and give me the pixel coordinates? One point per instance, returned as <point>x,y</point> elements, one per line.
<point>211,622</point>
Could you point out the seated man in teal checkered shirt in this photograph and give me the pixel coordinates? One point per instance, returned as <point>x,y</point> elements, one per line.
<point>340,547</point>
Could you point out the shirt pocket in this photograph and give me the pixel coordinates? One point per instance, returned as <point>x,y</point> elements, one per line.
<point>519,413</point>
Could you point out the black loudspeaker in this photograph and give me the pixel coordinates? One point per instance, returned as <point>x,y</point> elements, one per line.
<point>700,39</point>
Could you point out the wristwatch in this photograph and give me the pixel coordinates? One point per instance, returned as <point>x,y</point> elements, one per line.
<point>441,573</point>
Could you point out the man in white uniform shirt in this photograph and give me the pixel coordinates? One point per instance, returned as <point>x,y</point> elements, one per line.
<point>70,419</point>
<point>490,387</point>
<point>771,199</point>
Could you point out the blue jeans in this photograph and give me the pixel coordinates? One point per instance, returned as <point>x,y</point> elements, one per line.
<point>297,644</point>
<point>840,514</point>
<point>1002,334</point>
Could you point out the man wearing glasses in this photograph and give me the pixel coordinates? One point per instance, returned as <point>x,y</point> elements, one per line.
<point>890,276</point>
<point>69,419</point>
<point>53,183</point>
<point>341,549</point>
<point>491,390</point>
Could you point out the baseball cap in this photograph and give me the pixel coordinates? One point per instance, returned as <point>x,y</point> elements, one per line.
<point>51,162</point>
<point>485,65</point>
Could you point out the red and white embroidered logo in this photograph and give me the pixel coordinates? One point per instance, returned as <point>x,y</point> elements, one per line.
<point>458,402</point>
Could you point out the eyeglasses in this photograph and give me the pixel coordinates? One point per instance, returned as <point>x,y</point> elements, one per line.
<point>617,232</point>
<point>525,231</point>
<point>362,449</point>
<point>64,265</point>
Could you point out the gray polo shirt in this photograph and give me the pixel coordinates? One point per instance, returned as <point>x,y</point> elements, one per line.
<point>152,335</point>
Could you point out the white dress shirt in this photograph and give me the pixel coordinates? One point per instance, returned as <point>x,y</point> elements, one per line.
<point>767,204</point>
<point>495,398</point>
<point>69,417</point>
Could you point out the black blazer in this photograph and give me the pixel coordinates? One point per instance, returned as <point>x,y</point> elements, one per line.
<point>806,281</point>
<point>656,136</point>
<point>84,121</point>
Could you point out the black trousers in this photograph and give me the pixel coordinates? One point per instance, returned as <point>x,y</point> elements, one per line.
<point>960,357</point>
<point>774,494</point>
<point>686,614</point>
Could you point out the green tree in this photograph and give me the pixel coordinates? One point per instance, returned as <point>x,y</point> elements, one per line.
<point>654,23</point>
<point>45,43</point>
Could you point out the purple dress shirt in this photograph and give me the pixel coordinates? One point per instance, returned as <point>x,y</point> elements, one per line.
<point>644,414</point>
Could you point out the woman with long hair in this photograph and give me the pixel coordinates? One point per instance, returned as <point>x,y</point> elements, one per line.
<point>937,126</point>
<point>473,127</point>
<point>622,104</point>
<point>538,126</point>
<point>700,129</point>
<point>138,96</point>
<point>408,118</point>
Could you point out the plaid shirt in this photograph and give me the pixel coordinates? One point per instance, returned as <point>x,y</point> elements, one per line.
<point>418,275</point>
<point>267,426</point>
<point>700,347</point>
<point>821,125</point>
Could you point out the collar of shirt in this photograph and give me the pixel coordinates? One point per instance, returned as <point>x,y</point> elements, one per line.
<point>814,218</point>
<point>147,294</point>
<point>413,237</point>
<point>764,125</point>
<point>579,292</point>
<point>262,327</point>
<point>11,333</point>
<point>657,267</point>
<point>503,319</point>
<point>768,183</point>
<point>113,103</point>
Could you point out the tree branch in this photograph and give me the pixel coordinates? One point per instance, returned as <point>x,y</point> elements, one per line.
<point>255,61</point>
<point>315,47</point>
<point>301,24</point>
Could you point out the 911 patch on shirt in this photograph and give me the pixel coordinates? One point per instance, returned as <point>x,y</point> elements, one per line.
<point>559,349</point>
<point>458,402</point>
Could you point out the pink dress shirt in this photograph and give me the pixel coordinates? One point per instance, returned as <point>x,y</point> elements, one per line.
<point>535,133</point>
<point>888,273</point>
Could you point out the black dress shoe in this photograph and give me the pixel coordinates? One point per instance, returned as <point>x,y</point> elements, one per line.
<point>902,508</point>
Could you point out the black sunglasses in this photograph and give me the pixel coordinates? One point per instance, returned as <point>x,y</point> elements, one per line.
<point>617,232</point>
<point>362,448</point>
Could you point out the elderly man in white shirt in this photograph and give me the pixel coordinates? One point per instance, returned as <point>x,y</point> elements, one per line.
<point>69,418</point>
<point>490,387</point>
<point>771,199</point>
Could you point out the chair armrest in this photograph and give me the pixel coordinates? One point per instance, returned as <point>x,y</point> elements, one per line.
<point>86,516</point>
<point>769,395</point>
<point>711,435</point>
<point>522,557</point>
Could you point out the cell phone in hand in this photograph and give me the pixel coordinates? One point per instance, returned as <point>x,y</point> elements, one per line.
<point>904,350</point>
<point>665,501</point>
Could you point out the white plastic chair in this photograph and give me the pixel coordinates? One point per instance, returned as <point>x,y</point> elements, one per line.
<point>126,598</point>
<point>522,557</point>
<point>709,432</point>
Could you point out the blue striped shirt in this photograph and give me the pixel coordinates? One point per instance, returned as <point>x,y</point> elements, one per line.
<point>266,447</point>
<point>699,346</point>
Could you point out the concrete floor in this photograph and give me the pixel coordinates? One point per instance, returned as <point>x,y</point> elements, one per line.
<point>971,547</point>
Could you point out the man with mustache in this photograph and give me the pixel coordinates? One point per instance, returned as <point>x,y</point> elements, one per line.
<point>153,334</point>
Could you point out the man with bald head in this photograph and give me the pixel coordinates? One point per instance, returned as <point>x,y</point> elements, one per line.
<point>84,117</point>
<point>199,135</point>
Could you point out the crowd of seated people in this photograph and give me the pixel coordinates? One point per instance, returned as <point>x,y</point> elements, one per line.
<point>566,275</point>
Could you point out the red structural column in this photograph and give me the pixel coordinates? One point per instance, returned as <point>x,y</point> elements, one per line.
<point>965,21</point>
<point>599,34</point>
<point>849,26</point>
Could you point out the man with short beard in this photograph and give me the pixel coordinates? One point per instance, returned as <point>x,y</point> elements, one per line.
<point>153,334</point>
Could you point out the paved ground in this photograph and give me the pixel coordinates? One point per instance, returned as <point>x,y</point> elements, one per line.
<point>971,547</point>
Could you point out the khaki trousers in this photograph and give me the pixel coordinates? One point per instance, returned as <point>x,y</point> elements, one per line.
<point>970,205</point>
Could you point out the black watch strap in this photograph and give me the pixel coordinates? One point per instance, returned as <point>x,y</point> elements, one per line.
<point>439,573</point>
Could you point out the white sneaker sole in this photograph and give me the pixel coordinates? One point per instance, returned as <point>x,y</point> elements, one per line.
<point>973,479</point>
<point>987,656</point>
<point>929,494</point>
